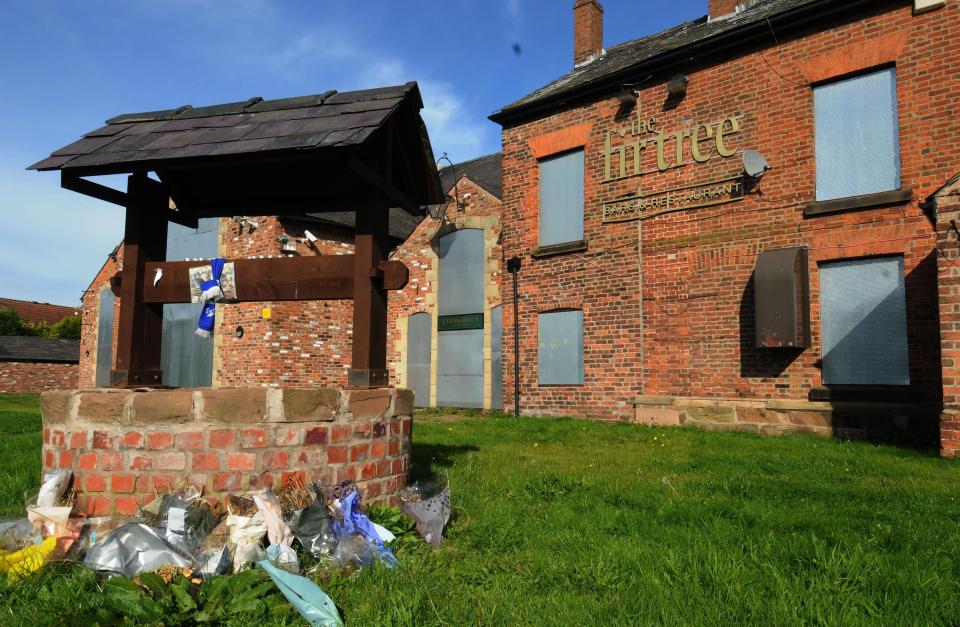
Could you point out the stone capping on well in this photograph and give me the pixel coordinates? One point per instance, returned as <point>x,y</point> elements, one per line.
<point>147,406</point>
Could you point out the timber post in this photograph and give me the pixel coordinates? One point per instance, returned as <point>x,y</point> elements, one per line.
<point>369,358</point>
<point>139,334</point>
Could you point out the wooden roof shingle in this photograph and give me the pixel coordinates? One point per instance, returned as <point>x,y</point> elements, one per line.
<point>328,119</point>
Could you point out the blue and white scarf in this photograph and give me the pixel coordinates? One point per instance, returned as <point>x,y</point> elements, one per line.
<point>210,294</point>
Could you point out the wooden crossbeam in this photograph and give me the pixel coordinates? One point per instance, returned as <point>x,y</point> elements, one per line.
<point>115,196</point>
<point>324,277</point>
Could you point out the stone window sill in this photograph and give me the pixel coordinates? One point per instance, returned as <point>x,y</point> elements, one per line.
<point>559,249</point>
<point>866,201</point>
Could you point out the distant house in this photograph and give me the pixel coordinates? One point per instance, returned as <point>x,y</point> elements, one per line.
<point>37,364</point>
<point>31,311</point>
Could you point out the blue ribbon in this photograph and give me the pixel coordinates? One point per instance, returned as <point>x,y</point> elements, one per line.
<point>205,324</point>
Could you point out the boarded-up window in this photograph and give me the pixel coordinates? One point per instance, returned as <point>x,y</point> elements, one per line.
<point>460,350</point>
<point>864,322</point>
<point>857,136</point>
<point>561,198</point>
<point>187,360</point>
<point>560,347</point>
<point>105,338</point>
<point>461,272</point>
<point>419,330</point>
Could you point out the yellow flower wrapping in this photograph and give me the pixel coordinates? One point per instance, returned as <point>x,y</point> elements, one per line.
<point>27,561</point>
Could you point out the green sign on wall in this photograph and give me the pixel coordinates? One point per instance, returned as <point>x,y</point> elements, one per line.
<point>460,322</point>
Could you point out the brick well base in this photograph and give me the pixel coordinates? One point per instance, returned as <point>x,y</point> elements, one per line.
<point>125,446</point>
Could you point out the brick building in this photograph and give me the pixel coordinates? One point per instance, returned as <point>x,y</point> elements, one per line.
<point>660,282</point>
<point>36,364</point>
<point>34,312</point>
<point>308,343</point>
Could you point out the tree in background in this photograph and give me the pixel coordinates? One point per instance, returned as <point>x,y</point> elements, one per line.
<point>68,328</point>
<point>12,324</point>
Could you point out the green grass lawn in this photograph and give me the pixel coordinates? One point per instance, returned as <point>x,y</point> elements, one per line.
<point>560,522</point>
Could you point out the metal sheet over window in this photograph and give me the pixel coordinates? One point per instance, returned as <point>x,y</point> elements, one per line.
<point>419,330</point>
<point>857,136</point>
<point>461,272</point>
<point>864,322</point>
<point>460,368</point>
<point>561,347</point>
<point>187,360</point>
<point>561,199</point>
<point>496,349</point>
<point>105,338</point>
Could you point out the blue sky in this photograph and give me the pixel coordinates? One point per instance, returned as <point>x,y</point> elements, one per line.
<point>66,66</point>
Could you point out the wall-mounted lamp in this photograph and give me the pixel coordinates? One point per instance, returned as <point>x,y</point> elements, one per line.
<point>628,95</point>
<point>677,87</point>
<point>437,211</point>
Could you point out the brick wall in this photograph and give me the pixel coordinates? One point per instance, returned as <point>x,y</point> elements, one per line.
<point>30,378</point>
<point>90,312</point>
<point>303,342</point>
<point>675,316</point>
<point>948,267</point>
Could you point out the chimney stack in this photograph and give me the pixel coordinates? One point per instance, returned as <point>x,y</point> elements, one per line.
<point>587,31</point>
<point>722,8</point>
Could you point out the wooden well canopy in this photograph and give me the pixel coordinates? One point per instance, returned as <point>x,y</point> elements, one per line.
<point>362,151</point>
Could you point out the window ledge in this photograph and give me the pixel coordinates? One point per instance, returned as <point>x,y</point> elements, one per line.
<point>559,249</point>
<point>866,201</point>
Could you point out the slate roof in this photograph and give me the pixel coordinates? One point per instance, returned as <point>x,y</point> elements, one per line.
<point>31,311</point>
<point>662,47</point>
<point>486,171</point>
<point>330,119</point>
<point>402,223</point>
<point>39,349</point>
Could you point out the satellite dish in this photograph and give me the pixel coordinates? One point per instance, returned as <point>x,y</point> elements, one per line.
<point>754,164</point>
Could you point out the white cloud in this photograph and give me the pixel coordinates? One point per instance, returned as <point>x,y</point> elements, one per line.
<point>454,129</point>
<point>58,240</point>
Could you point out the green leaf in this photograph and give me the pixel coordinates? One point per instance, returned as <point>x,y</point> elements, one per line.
<point>183,598</point>
<point>155,584</point>
<point>125,597</point>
